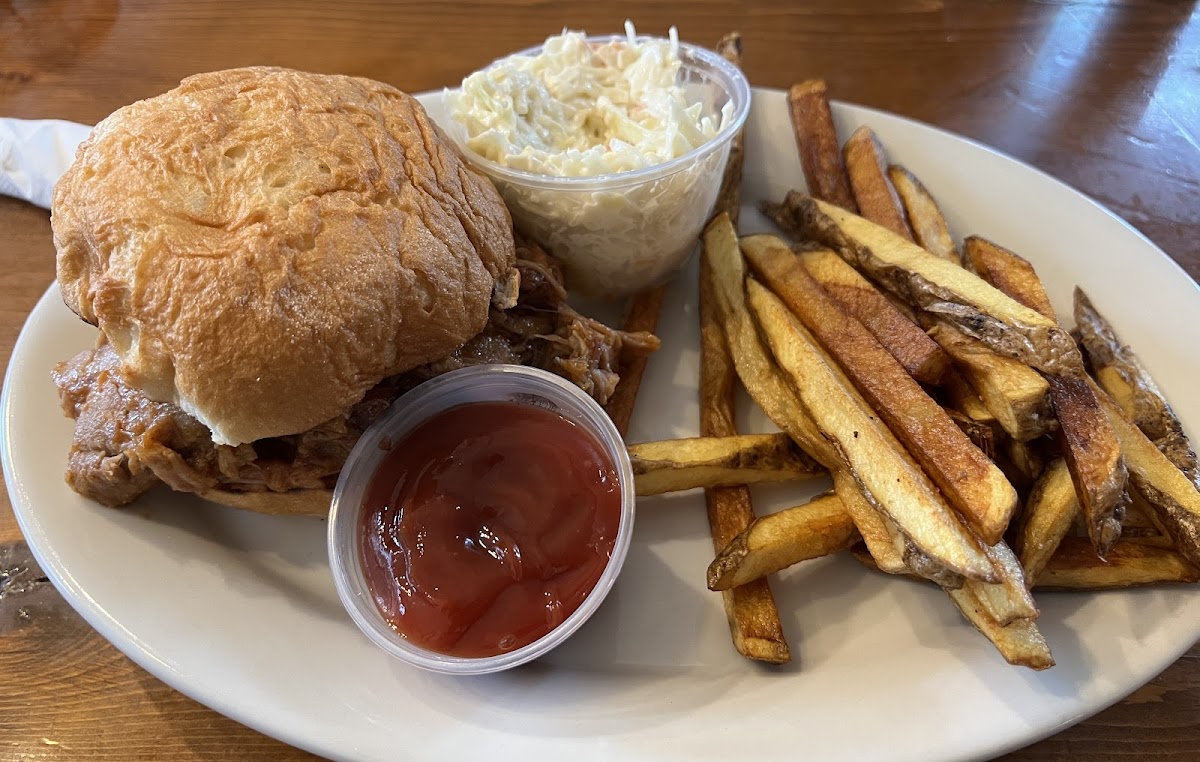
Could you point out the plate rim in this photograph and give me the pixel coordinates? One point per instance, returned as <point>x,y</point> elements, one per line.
<point>137,650</point>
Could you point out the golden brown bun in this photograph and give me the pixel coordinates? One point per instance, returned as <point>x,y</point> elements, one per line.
<point>262,246</point>
<point>297,502</point>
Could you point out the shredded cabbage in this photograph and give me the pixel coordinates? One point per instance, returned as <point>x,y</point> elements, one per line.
<point>574,110</point>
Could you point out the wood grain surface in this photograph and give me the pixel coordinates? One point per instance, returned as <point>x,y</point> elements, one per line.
<point>1104,95</point>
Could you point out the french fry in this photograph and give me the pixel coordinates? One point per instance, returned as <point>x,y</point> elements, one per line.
<point>1093,457</point>
<point>642,315</point>
<point>962,397</point>
<point>893,552</point>
<point>717,372</point>
<point>817,142</point>
<point>1019,642</point>
<point>754,623</point>
<point>776,541</point>
<point>730,48</point>
<point>966,477</point>
<point>1121,374</point>
<point>937,286</point>
<point>729,197</point>
<point>814,529</point>
<point>1024,461</point>
<point>1141,526</point>
<point>1008,600</point>
<point>1075,566</point>
<point>761,377</point>
<point>1171,495</point>
<point>674,465</point>
<point>1017,395</point>
<point>873,191</point>
<point>1003,603</point>
<point>929,227</point>
<point>1051,508</point>
<point>1084,435</point>
<point>921,356</point>
<point>981,435</point>
<point>869,450</point>
<point>1008,272</point>
<point>724,277</point>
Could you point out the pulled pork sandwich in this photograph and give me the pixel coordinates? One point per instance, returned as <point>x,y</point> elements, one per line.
<point>272,257</point>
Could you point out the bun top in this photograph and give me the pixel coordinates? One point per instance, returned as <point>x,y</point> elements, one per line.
<point>262,246</point>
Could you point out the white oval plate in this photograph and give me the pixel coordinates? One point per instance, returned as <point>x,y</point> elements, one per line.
<point>239,610</point>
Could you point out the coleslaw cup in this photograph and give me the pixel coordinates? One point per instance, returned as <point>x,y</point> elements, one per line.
<point>620,233</point>
<point>481,383</point>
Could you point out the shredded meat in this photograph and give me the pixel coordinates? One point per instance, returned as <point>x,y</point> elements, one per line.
<point>543,331</point>
<point>125,443</point>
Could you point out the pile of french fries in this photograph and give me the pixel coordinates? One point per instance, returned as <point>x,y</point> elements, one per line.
<point>972,440</point>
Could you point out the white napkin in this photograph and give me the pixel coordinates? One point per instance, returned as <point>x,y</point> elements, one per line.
<point>34,154</point>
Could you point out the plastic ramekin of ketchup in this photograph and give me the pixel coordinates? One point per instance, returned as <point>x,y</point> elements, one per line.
<point>482,520</point>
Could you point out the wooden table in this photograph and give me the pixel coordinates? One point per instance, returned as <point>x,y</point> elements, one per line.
<point>1105,95</point>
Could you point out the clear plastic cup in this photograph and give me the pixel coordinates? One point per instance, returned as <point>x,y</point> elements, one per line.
<point>481,383</point>
<point>619,233</point>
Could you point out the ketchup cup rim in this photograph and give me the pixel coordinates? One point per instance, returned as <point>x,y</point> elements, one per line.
<point>480,383</point>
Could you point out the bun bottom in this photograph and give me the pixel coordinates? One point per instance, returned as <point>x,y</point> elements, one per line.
<point>299,502</point>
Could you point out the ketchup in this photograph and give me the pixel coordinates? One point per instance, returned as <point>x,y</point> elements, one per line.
<point>486,526</point>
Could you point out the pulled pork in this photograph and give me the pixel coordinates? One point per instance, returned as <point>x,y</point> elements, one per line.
<point>125,443</point>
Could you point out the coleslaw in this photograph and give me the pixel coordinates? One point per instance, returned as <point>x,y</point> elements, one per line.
<point>608,151</point>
